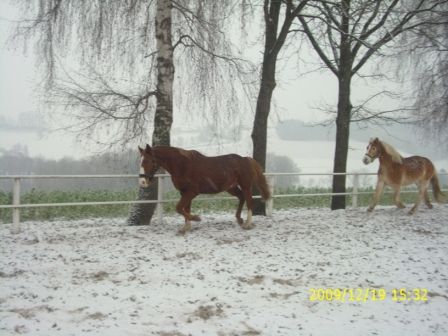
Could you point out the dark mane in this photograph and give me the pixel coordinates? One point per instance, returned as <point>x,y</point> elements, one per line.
<point>190,154</point>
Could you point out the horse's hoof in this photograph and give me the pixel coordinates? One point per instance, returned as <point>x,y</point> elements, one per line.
<point>411,212</point>
<point>195,218</point>
<point>248,227</point>
<point>401,206</point>
<point>240,221</point>
<point>429,206</point>
<point>369,209</point>
<point>182,231</point>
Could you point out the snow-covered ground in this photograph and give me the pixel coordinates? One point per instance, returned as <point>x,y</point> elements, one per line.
<point>99,277</point>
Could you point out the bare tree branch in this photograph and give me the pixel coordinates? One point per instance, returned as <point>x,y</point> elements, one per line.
<point>117,40</point>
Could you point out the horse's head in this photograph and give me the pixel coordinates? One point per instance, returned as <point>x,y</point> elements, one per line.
<point>148,166</point>
<point>373,151</point>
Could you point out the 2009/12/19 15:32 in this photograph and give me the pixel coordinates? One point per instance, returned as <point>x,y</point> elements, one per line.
<point>368,294</point>
<point>415,294</point>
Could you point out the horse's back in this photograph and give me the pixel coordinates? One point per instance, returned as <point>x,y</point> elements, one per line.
<point>222,162</point>
<point>212,174</point>
<point>418,167</point>
<point>417,163</point>
<point>237,165</point>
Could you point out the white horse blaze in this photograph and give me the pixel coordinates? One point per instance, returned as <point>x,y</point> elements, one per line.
<point>142,180</point>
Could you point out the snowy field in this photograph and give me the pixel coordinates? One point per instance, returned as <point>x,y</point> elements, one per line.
<point>99,277</point>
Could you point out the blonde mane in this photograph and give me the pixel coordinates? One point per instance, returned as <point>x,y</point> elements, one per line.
<point>396,157</point>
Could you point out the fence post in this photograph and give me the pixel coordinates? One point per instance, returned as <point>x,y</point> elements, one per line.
<point>355,190</point>
<point>16,201</point>
<point>159,208</point>
<point>270,202</point>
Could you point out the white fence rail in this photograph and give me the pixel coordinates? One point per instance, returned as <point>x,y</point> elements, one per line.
<point>16,204</point>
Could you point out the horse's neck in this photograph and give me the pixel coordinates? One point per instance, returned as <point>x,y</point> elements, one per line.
<point>168,158</point>
<point>386,158</point>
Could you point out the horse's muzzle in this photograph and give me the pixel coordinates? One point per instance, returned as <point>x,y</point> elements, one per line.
<point>144,180</point>
<point>367,159</point>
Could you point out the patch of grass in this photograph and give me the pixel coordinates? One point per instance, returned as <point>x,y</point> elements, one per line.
<point>68,212</point>
<point>199,205</point>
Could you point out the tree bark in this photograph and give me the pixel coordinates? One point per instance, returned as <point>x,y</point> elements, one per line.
<point>260,129</point>
<point>163,118</point>
<point>342,141</point>
<point>141,214</point>
<point>267,86</point>
<point>344,110</point>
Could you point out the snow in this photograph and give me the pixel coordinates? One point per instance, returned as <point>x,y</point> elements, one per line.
<point>100,277</point>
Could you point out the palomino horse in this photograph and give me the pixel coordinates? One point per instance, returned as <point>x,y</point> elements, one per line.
<point>193,173</point>
<point>397,171</point>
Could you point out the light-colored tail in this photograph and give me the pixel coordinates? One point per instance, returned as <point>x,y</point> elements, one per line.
<point>438,194</point>
<point>260,179</point>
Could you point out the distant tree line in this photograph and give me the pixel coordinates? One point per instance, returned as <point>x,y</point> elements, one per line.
<point>116,163</point>
<point>126,162</point>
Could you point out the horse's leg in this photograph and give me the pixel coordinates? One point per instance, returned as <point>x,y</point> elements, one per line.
<point>376,196</point>
<point>397,200</point>
<point>183,208</point>
<point>238,193</point>
<point>422,190</point>
<point>247,192</point>
<point>427,200</point>
<point>184,205</point>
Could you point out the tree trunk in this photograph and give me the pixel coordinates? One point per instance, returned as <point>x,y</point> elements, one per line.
<point>141,214</point>
<point>344,110</point>
<point>267,85</point>
<point>342,141</point>
<point>260,129</point>
<point>163,118</point>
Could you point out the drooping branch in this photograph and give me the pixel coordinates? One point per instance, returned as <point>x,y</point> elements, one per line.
<point>188,41</point>
<point>117,40</point>
<point>93,102</point>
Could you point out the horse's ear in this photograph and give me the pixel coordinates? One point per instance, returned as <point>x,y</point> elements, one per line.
<point>141,150</point>
<point>373,140</point>
<point>147,149</point>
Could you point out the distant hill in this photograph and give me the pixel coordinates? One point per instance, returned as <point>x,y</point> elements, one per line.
<point>405,138</point>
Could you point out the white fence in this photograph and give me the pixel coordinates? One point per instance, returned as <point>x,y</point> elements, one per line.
<point>16,204</point>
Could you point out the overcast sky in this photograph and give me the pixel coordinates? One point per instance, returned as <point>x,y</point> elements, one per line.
<point>295,96</point>
<point>20,79</point>
<point>16,70</point>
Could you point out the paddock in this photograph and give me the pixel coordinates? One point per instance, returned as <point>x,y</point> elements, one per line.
<point>98,276</point>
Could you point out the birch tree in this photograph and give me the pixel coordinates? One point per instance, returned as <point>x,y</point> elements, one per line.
<point>141,214</point>
<point>125,52</point>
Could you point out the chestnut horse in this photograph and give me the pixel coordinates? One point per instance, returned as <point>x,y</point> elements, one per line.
<point>193,173</point>
<point>397,171</point>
